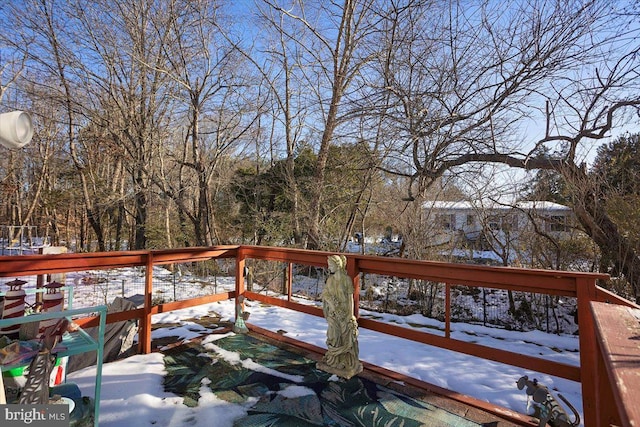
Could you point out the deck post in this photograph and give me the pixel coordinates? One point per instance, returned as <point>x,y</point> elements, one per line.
<point>145,322</point>
<point>240,276</point>
<point>586,292</point>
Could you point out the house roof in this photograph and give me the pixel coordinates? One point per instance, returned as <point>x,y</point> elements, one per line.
<point>539,205</point>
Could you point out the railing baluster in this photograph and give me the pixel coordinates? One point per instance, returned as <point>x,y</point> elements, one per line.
<point>447,310</point>
<point>289,280</point>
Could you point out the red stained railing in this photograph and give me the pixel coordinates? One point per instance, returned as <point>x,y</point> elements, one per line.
<point>596,388</point>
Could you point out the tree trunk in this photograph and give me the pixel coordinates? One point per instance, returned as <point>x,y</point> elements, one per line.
<point>140,235</point>
<point>321,166</point>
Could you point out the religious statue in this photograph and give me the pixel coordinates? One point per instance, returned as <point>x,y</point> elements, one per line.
<point>341,357</point>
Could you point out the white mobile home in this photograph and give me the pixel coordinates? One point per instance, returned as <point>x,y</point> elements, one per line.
<point>468,224</point>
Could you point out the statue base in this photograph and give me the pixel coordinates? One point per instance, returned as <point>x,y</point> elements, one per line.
<point>240,327</point>
<point>342,373</point>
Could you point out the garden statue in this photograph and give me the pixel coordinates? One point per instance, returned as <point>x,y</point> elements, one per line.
<point>341,357</point>
<point>13,306</point>
<point>547,409</point>
<point>239,326</point>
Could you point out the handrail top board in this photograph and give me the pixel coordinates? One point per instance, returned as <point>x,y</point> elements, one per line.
<point>618,330</point>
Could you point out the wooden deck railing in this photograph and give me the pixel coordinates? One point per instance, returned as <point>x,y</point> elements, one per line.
<point>597,388</point>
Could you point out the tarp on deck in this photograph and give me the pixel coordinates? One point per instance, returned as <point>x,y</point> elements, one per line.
<point>118,338</point>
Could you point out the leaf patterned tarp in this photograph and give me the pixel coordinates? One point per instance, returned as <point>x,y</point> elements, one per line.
<point>287,390</point>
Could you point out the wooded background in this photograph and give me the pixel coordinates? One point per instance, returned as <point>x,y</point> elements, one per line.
<point>175,123</point>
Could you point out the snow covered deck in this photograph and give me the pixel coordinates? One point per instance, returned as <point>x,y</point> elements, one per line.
<point>581,286</point>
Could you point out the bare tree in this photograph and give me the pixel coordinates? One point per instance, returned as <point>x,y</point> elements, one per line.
<point>220,113</point>
<point>468,79</point>
<point>120,60</point>
<point>331,62</point>
<point>47,47</point>
<point>280,63</point>
<point>99,62</point>
<point>10,69</point>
